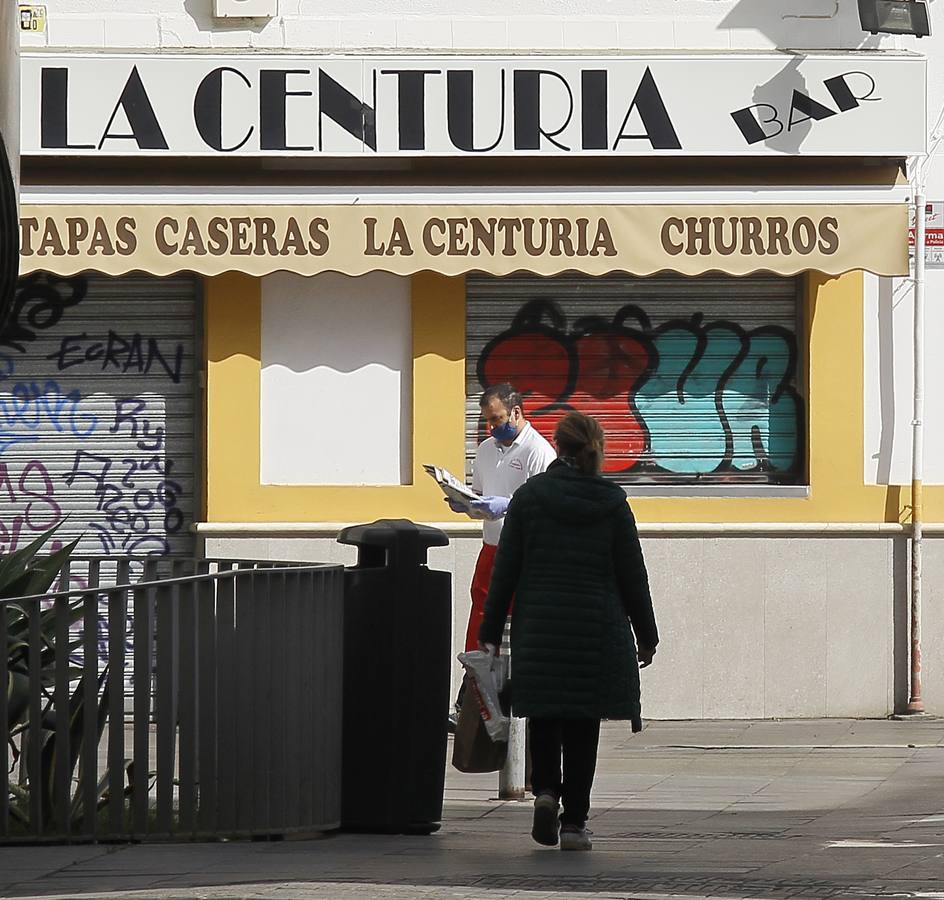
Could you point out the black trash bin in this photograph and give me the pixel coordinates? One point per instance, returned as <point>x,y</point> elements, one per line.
<point>397,658</point>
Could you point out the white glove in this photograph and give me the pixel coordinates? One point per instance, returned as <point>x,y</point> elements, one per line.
<point>491,507</point>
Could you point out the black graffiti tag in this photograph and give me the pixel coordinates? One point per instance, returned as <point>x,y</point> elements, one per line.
<point>133,353</point>
<point>136,494</point>
<point>40,301</point>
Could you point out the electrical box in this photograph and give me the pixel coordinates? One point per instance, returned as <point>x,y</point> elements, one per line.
<point>246,9</point>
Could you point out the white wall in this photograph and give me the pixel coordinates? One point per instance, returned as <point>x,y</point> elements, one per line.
<point>336,379</point>
<point>889,320</point>
<point>457,24</point>
<point>808,629</point>
<point>889,341</point>
<point>888,310</point>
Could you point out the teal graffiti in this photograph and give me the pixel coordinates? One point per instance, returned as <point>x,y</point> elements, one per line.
<point>761,412</point>
<point>721,399</point>
<point>677,404</point>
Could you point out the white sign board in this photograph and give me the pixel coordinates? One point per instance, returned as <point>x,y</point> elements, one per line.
<point>933,233</point>
<point>855,104</point>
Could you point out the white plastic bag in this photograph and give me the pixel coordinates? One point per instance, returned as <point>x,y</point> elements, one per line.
<point>487,674</point>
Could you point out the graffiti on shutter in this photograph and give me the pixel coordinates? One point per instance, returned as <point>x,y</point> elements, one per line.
<point>696,397</point>
<point>87,379</point>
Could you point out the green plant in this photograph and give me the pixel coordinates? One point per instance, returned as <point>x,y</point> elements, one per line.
<point>24,573</point>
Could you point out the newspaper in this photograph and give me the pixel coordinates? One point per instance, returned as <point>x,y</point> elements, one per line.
<point>455,490</point>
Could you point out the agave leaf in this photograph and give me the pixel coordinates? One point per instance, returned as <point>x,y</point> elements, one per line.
<point>47,627</point>
<point>44,572</point>
<point>101,790</point>
<point>17,697</point>
<point>19,809</point>
<point>77,736</point>
<point>47,619</point>
<point>15,648</point>
<point>16,563</point>
<point>15,612</point>
<point>15,585</point>
<point>38,579</point>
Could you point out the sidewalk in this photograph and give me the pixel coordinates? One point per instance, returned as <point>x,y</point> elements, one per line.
<point>794,809</point>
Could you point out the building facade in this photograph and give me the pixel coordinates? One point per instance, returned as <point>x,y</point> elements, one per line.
<point>270,263</point>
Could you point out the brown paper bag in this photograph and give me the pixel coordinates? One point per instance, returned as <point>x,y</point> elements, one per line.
<point>473,750</point>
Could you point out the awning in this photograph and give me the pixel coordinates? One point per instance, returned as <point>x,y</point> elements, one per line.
<point>689,231</point>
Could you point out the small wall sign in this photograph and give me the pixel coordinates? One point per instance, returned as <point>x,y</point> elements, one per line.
<point>933,233</point>
<point>32,18</point>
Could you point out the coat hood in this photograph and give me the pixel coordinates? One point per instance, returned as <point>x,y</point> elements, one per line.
<point>570,495</point>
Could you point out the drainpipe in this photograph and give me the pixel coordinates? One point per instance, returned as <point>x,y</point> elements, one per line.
<point>915,701</point>
<point>915,705</point>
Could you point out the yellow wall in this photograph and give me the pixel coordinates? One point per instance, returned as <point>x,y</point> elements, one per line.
<point>834,406</point>
<point>234,494</point>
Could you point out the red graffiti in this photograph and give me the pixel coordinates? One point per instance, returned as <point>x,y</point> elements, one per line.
<point>595,367</point>
<point>32,505</point>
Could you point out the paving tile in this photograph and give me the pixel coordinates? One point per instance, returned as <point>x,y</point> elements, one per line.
<point>756,820</point>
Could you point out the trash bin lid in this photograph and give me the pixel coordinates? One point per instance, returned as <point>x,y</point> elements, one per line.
<point>398,535</point>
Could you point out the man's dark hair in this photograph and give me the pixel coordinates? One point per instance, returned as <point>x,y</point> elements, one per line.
<point>504,392</point>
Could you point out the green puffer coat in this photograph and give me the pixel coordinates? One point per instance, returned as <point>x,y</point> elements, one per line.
<point>570,557</point>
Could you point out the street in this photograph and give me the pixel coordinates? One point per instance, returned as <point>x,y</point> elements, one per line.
<point>720,809</point>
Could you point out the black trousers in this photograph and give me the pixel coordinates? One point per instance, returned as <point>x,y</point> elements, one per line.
<point>576,740</point>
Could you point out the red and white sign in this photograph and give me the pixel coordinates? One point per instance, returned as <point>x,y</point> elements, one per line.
<point>933,232</point>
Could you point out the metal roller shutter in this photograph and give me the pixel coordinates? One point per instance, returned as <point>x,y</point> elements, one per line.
<point>694,379</point>
<point>97,418</point>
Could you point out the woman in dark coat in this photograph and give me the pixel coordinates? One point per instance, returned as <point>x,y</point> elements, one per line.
<point>570,557</point>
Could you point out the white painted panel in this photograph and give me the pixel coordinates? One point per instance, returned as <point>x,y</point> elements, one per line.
<point>934,378</point>
<point>888,318</point>
<point>889,337</point>
<point>336,379</point>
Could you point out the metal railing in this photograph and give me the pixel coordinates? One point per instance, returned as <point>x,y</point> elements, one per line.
<point>203,704</point>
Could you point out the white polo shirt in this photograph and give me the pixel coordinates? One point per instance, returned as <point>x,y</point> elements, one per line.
<point>499,471</point>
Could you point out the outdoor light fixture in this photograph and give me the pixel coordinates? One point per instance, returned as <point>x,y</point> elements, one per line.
<point>894,17</point>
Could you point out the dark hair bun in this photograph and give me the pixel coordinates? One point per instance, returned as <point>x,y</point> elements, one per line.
<point>581,437</point>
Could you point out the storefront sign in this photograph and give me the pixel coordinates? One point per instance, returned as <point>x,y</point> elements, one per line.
<point>454,239</point>
<point>933,233</point>
<point>855,104</point>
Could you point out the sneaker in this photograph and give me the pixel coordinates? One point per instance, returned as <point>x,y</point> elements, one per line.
<point>573,837</point>
<point>452,723</point>
<point>544,829</point>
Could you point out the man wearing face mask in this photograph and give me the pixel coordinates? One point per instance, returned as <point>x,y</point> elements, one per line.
<point>503,462</point>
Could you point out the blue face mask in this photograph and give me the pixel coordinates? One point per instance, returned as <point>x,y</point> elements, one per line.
<point>505,432</point>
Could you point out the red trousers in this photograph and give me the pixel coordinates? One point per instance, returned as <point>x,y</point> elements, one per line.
<point>480,582</point>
